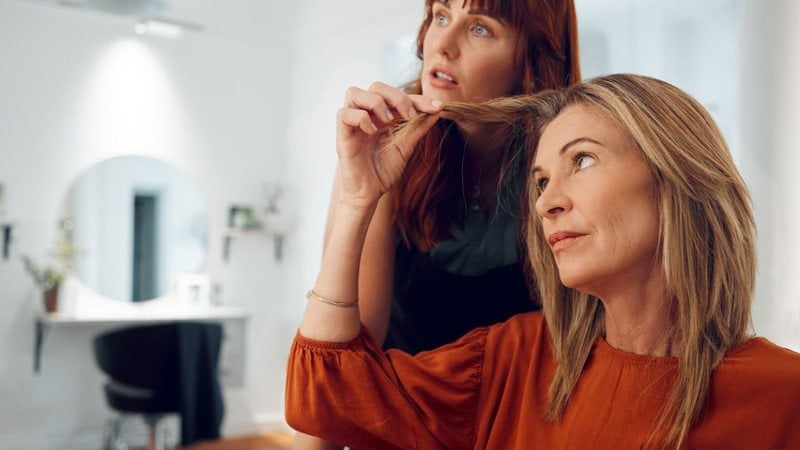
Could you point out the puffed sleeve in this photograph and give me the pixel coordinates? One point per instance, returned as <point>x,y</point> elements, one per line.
<point>354,394</point>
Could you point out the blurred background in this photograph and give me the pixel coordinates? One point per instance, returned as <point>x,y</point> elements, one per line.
<point>228,109</point>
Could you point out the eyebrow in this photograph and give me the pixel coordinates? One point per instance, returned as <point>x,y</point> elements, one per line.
<point>474,11</point>
<point>567,146</point>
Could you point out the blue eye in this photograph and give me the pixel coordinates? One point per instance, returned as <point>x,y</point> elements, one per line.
<point>481,30</point>
<point>440,19</point>
<point>583,161</point>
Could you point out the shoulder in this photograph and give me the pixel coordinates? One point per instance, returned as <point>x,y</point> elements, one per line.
<point>520,325</point>
<point>763,366</point>
<point>757,387</point>
<point>522,331</point>
<point>761,355</point>
<point>522,337</point>
<point>518,359</point>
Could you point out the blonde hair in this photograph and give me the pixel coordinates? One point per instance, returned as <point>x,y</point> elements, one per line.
<point>706,239</point>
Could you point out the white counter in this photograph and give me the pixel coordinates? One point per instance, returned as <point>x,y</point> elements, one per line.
<point>98,314</point>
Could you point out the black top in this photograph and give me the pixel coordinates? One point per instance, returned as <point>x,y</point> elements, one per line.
<point>473,280</point>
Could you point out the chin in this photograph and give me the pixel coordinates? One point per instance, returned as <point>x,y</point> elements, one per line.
<point>445,95</point>
<point>572,280</point>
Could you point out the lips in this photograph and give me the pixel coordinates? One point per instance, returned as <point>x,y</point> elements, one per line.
<point>444,76</point>
<point>441,77</point>
<point>561,239</point>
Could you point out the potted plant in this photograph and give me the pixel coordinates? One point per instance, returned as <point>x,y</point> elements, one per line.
<point>48,277</point>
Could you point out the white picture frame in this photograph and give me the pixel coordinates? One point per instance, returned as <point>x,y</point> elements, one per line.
<point>193,289</point>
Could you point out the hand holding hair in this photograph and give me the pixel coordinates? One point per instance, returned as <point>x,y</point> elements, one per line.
<point>368,167</point>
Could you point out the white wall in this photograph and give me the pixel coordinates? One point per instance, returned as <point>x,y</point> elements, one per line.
<point>769,33</point>
<point>338,45</point>
<point>78,87</point>
<point>692,45</point>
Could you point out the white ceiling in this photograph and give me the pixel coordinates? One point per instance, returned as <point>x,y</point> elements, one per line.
<point>243,20</point>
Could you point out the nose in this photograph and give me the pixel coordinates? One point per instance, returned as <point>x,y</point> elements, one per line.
<point>553,201</point>
<point>446,41</point>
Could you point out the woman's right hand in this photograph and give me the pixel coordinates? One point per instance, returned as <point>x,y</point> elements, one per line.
<point>367,169</point>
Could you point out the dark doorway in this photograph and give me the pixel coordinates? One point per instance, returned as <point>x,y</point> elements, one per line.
<point>145,246</point>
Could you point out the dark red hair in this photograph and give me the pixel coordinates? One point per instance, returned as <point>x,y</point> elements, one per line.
<point>429,196</point>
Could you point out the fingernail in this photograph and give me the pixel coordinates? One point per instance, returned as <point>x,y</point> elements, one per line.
<point>436,103</point>
<point>412,112</point>
<point>374,127</point>
<point>389,115</point>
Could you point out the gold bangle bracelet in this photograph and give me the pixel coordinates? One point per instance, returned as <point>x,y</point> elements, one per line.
<point>313,295</point>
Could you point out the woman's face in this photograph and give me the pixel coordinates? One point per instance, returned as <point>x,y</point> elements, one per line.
<point>469,55</point>
<point>597,202</point>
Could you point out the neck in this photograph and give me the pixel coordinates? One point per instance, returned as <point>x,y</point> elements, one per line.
<point>480,148</point>
<point>481,166</point>
<point>482,160</point>
<point>638,319</point>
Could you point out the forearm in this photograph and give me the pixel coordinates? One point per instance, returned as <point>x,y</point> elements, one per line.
<point>338,278</point>
<point>376,277</point>
<point>335,191</point>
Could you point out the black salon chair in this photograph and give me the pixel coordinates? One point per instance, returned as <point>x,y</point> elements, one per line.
<point>162,369</point>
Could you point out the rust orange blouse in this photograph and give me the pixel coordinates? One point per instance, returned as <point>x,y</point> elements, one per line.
<point>487,391</point>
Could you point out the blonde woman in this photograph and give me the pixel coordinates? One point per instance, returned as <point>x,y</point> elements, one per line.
<point>641,237</point>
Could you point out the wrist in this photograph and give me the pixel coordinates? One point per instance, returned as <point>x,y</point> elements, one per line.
<point>355,205</point>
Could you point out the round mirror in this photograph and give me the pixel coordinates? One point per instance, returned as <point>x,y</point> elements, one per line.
<point>135,223</point>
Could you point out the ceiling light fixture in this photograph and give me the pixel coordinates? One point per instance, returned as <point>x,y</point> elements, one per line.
<point>163,28</point>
